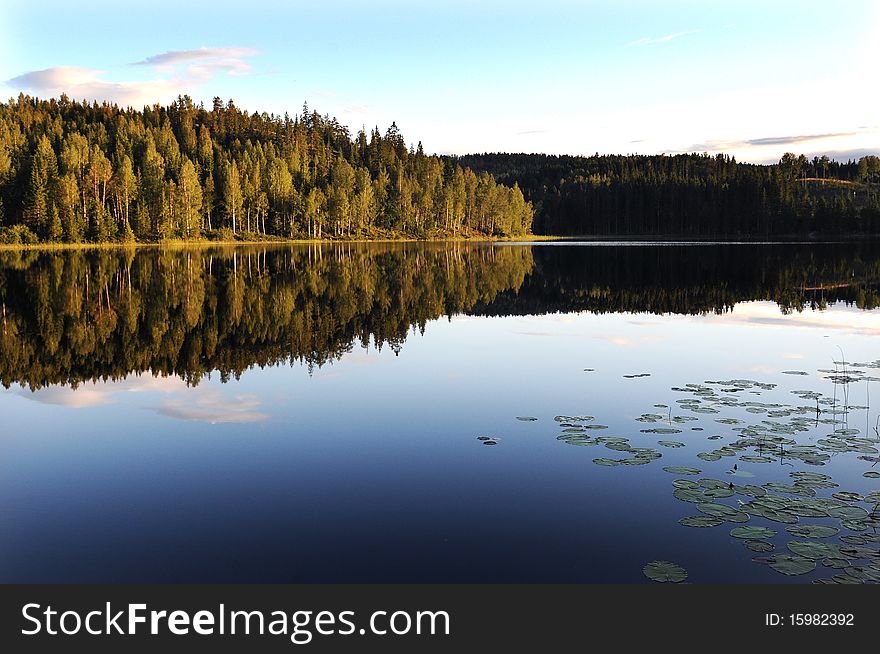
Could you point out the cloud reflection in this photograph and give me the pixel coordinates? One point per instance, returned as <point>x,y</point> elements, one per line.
<point>200,403</point>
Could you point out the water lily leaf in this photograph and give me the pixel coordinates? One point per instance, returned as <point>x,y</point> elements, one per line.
<point>794,372</point>
<point>750,490</point>
<point>871,474</point>
<point>780,516</point>
<point>580,440</point>
<point>722,511</point>
<point>791,489</point>
<point>853,513</point>
<point>672,444</point>
<point>836,563</point>
<point>606,462</point>
<point>813,550</point>
<point>685,483</point>
<point>708,456</point>
<point>718,493</point>
<point>788,564</point>
<point>664,571</point>
<point>689,495</point>
<point>847,496</point>
<point>812,531</point>
<point>854,525</point>
<point>752,532</point>
<point>526,418</point>
<point>759,545</point>
<point>661,430</point>
<point>700,521</point>
<point>806,511</point>
<point>751,458</point>
<point>636,461</point>
<point>864,572</point>
<point>682,470</point>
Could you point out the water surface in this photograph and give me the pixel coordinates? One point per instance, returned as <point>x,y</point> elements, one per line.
<point>439,413</point>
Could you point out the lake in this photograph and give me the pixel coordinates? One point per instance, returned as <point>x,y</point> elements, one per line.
<point>430,412</point>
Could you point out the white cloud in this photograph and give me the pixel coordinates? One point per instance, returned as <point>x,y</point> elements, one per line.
<point>178,72</point>
<point>200,403</point>
<point>172,57</point>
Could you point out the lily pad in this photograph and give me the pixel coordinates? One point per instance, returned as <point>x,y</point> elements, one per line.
<point>752,532</point>
<point>689,495</point>
<point>682,470</point>
<point>722,511</point>
<point>527,418</point>
<point>700,521</point>
<point>864,572</point>
<point>788,564</point>
<point>664,571</point>
<point>813,550</point>
<point>791,489</point>
<point>759,545</point>
<point>852,513</point>
<point>752,458</point>
<point>847,496</point>
<point>836,563</point>
<point>812,531</point>
<point>672,444</point>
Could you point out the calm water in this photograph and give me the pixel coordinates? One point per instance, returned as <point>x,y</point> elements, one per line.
<point>358,413</point>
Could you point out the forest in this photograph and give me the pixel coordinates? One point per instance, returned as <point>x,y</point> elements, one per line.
<point>692,195</point>
<point>77,172</point>
<point>70,316</point>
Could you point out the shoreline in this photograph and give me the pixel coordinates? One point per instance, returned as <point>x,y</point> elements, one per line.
<point>524,239</point>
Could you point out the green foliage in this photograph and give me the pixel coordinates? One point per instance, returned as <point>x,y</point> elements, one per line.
<point>694,195</point>
<point>102,173</point>
<point>17,235</point>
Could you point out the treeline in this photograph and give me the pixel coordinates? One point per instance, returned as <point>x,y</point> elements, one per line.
<point>694,195</point>
<point>73,171</point>
<point>87,314</point>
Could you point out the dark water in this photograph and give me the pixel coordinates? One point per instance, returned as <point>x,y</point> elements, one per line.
<point>350,413</point>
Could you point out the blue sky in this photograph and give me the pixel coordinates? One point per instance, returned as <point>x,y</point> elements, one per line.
<point>754,79</point>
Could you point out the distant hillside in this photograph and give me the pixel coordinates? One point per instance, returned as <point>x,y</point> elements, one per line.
<point>693,195</point>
